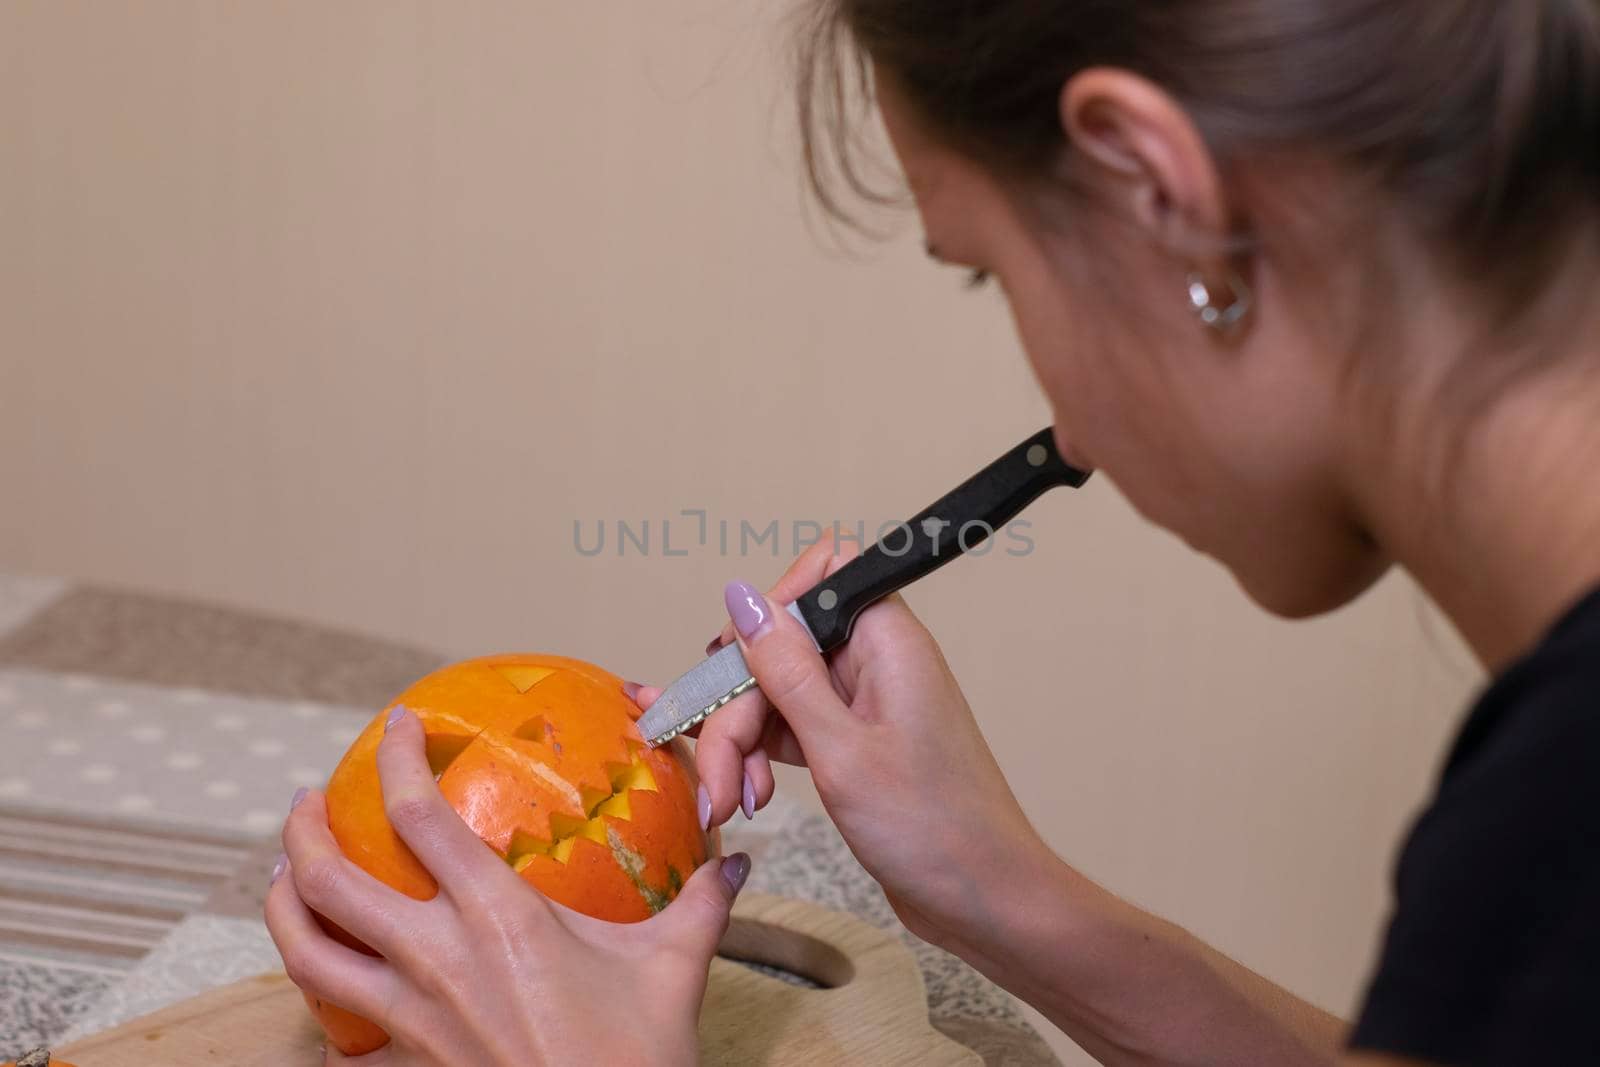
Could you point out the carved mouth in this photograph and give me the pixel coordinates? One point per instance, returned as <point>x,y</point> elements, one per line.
<point>565,830</point>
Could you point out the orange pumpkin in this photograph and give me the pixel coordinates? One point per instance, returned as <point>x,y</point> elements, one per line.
<point>540,756</point>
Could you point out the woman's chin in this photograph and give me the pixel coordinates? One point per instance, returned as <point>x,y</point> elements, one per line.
<point>1304,593</point>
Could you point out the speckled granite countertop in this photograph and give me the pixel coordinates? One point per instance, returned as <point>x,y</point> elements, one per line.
<point>151,744</point>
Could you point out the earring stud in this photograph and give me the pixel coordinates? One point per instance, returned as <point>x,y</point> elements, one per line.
<point>1211,310</point>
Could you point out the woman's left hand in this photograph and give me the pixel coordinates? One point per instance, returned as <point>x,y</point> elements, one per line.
<point>488,972</point>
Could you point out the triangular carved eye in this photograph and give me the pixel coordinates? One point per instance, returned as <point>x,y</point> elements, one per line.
<point>523,676</point>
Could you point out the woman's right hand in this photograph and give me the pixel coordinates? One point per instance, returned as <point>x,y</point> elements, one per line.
<point>907,777</point>
<point>892,746</point>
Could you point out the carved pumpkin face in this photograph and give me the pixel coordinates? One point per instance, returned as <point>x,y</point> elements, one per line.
<point>539,755</point>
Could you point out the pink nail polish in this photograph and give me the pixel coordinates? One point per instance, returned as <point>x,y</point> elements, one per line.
<point>278,869</point>
<point>299,795</point>
<point>747,608</point>
<point>396,713</point>
<point>703,802</point>
<point>631,691</point>
<point>747,800</point>
<point>713,645</point>
<point>735,869</point>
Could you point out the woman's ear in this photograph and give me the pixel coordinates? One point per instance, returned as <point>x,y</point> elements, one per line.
<point>1154,160</point>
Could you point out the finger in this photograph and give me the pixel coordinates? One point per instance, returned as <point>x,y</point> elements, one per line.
<point>780,743</point>
<point>728,738</point>
<point>696,920</point>
<point>809,568</point>
<point>777,740</point>
<point>791,673</point>
<point>720,748</point>
<point>425,821</point>
<point>758,783</point>
<point>631,691</point>
<point>328,883</point>
<point>321,966</point>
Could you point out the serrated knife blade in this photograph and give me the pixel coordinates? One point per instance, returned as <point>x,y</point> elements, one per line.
<point>707,686</point>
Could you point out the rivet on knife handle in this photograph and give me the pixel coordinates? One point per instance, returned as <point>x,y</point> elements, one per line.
<point>956,523</point>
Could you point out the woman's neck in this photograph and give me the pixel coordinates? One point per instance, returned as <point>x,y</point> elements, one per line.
<point>1511,538</point>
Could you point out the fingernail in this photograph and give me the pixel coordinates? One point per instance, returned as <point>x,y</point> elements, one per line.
<point>747,802</point>
<point>735,869</point>
<point>631,690</point>
<point>277,869</point>
<point>747,608</point>
<point>703,802</point>
<point>299,795</point>
<point>713,645</point>
<point>395,714</point>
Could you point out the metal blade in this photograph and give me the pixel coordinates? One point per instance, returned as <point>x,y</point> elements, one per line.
<point>708,686</point>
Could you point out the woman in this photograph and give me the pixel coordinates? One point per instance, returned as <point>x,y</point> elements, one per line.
<point>1311,281</point>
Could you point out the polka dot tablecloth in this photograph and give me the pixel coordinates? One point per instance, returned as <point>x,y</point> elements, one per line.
<point>93,746</point>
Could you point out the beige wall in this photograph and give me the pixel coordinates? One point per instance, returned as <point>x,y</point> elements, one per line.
<point>348,311</point>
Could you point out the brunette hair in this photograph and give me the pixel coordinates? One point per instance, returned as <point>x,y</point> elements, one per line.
<point>1480,118</point>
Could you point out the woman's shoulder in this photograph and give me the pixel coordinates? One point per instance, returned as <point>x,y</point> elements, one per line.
<point>1493,949</point>
<point>1521,785</point>
<point>1546,701</point>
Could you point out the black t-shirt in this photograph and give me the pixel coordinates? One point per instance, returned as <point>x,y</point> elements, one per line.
<point>1493,951</point>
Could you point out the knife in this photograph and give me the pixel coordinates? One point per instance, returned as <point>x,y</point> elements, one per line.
<point>955,523</point>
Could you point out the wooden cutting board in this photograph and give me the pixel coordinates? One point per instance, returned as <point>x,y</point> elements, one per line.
<point>872,1009</point>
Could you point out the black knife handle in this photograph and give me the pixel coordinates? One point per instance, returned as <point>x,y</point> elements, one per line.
<point>955,523</point>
